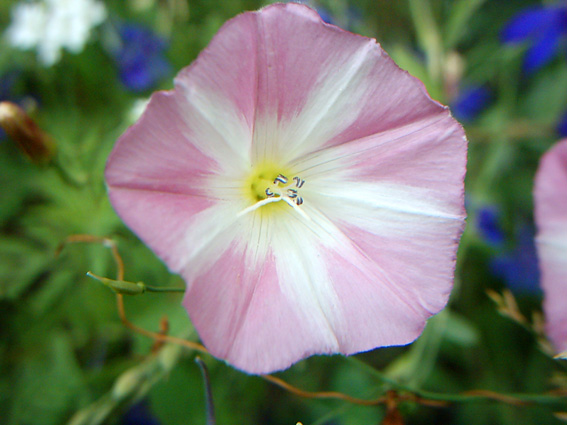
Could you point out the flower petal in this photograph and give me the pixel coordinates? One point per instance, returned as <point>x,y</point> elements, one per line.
<point>156,175</point>
<point>395,194</point>
<point>302,289</point>
<point>331,94</point>
<point>550,196</point>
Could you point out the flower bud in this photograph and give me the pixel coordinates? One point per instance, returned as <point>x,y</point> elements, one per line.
<point>35,143</point>
<point>120,286</point>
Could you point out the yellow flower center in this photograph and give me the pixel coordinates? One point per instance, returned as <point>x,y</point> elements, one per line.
<point>260,178</point>
<point>268,184</point>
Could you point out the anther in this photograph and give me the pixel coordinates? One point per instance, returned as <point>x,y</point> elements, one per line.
<point>298,182</point>
<point>269,193</point>
<point>292,193</point>
<point>280,178</point>
<point>299,200</point>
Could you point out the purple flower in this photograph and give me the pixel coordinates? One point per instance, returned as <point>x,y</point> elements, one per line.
<point>542,28</point>
<point>140,57</point>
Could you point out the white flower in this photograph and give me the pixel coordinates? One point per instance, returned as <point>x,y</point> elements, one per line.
<point>51,25</point>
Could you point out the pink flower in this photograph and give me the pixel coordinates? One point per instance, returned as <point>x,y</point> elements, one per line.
<point>550,195</point>
<point>307,189</point>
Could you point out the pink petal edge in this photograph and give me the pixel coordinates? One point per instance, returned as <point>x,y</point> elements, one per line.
<point>550,196</point>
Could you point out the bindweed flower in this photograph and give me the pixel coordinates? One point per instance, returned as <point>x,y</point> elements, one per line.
<point>52,25</point>
<point>140,57</point>
<point>543,28</point>
<point>307,189</point>
<point>550,196</point>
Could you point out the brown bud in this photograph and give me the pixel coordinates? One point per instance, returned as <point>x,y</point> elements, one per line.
<point>35,143</point>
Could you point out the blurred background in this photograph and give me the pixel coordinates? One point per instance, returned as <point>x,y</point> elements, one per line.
<point>83,70</point>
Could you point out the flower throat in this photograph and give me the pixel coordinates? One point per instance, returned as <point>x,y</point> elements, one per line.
<point>265,190</point>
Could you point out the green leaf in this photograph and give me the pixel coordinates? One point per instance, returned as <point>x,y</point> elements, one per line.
<point>458,22</point>
<point>49,385</point>
<point>21,262</point>
<point>461,331</point>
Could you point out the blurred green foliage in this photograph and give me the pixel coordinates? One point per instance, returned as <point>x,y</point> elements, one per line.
<point>64,354</point>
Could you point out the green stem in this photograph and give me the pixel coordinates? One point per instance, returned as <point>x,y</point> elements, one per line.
<point>208,392</point>
<point>125,287</point>
<point>162,289</point>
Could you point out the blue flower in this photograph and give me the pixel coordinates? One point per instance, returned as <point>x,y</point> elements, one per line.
<point>139,414</point>
<point>561,127</point>
<point>543,28</point>
<point>470,102</point>
<point>519,268</point>
<point>140,57</point>
<point>488,224</point>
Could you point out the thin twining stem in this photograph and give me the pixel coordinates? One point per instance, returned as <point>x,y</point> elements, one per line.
<point>208,392</point>
<point>419,396</point>
<point>321,394</point>
<point>106,242</point>
<point>555,398</point>
<point>110,244</point>
<point>154,335</point>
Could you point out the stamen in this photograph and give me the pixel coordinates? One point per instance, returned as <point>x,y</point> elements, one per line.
<point>280,178</point>
<point>276,193</point>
